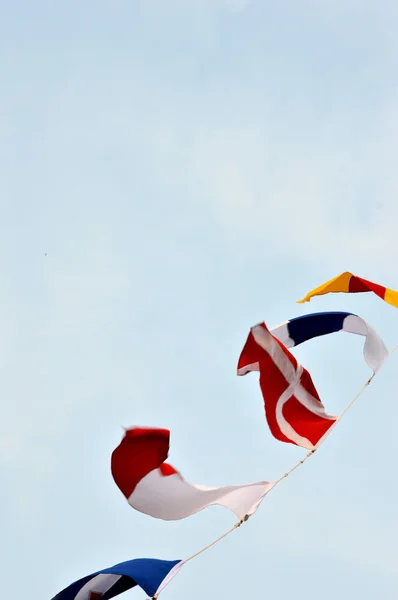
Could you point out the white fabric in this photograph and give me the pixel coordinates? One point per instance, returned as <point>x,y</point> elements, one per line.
<point>100,584</point>
<point>171,497</point>
<point>249,368</point>
<point>375,351</point>
<point>174,571</point>
<point>281,333</point>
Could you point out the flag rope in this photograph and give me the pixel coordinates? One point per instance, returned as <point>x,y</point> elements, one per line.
<point>296,466</point>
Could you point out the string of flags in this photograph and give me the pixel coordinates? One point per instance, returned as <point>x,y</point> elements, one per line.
<point>294,413</point>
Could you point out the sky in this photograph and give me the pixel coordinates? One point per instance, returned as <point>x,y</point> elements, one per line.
<point>171,173</point>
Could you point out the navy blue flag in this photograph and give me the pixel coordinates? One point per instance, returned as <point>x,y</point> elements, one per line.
<point>304,328</point>
<point>147,573</point>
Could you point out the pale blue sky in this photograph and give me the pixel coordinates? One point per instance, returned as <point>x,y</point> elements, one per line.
<point>171,173</point>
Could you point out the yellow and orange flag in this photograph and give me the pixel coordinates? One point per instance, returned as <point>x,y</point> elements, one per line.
<point>351,284</point>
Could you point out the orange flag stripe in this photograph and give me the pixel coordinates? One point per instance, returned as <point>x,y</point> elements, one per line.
<point>351,284</point>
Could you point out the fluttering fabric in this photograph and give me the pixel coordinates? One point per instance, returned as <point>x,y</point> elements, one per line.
<point>301,329</point>
<point>294,411</point>
<point>155,488</point>
<point>351,284</point>
<point>150,574</point>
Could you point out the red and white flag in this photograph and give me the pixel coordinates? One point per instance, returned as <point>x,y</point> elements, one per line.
<point>157,489</point>
<point>293,409</point>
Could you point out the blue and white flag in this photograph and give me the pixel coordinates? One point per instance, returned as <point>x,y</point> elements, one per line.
<point>301,329</point>
<point>150,574</point>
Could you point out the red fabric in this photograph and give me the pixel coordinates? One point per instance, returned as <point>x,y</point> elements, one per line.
<point>140,452</point>
<point>167,470</point>
<point>249,354</point>
<point>273,384</point>
<point>358,284</point>
<point>305,422</point>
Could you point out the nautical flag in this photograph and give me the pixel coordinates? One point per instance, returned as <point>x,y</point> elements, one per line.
<point>293,409</point>
<point>301,329</point>
<point>150,574</point>
<point>349,283</point>
<point>155,488</point>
